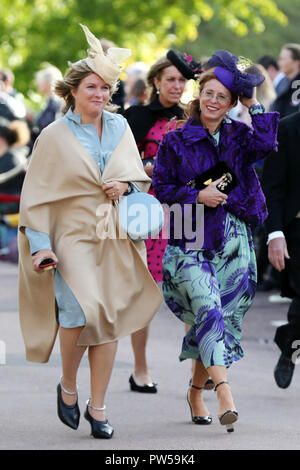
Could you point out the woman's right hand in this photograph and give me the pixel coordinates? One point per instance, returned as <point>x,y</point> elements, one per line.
<point>39,256</point>
<point>211,196</point>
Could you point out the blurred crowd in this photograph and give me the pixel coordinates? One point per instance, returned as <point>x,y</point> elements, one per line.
<point>277,93</point>
<point>19,128</point>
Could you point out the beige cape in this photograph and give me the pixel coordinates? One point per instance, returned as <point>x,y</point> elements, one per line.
<point>109,277</point>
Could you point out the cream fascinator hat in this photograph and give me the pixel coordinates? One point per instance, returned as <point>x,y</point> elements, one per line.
<point>106,66</point>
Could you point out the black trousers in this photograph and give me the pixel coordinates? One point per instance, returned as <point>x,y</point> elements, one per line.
<point>287,334</point>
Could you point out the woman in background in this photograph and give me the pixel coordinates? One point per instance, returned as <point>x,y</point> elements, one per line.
<point>166,80</point>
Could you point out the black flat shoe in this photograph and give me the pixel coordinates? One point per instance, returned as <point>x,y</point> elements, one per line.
<point>229,416</point>
<point>68,414</point>
<point>284,371</point>
<point>99,429</point>
<point>146,388</point>
<point>204,420</point>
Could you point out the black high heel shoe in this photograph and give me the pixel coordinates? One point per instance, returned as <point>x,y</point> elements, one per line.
<point>146,388</point>
<point>68,414</point>
<point>229,416</point>
<point>198,419</point>
<point>99,429</point>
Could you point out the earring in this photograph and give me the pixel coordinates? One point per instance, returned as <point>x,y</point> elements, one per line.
<point>157,91</point>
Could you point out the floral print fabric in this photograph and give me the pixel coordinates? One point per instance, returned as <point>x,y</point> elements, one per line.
<point>212,291</point>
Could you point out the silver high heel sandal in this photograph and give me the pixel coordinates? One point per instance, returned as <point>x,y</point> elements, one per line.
<point>228,417</point>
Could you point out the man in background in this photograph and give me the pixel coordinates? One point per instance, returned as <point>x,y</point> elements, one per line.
<point>281,185</point>
<point>279,79</point>
<point>289,64</point>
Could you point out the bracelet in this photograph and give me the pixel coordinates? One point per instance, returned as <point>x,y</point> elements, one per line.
<point>257,109</point>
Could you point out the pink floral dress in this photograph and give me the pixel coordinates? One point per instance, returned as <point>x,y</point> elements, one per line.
<point>148,148</point>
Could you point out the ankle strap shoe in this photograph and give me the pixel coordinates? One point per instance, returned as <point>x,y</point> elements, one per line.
<point>99,429</point>
<point>68,414</point>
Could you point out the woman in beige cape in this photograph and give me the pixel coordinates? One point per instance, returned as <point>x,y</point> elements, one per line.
<point>101,290</point>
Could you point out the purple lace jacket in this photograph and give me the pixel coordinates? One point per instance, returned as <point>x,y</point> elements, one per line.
<point>187,152</point>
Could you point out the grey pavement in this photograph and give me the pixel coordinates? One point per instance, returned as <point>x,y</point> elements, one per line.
<point>268,416</point>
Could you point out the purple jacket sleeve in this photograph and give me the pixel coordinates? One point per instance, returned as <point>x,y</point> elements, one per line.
<point>167,188</point>
<point>258,142</point>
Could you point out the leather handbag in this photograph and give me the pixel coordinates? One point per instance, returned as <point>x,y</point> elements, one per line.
<point>221,169</point>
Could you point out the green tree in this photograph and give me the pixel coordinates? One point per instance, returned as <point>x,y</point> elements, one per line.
<point>214,35</point>
<point>37,31</point>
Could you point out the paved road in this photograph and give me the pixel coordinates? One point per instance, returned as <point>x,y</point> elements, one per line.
<point>269,416</point>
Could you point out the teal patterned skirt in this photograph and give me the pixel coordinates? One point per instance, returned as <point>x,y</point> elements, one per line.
<point>212,291</point>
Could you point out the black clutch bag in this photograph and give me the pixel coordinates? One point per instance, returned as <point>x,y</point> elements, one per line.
<point>221,169</point>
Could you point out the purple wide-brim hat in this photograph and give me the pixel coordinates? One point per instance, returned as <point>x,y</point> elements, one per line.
<point>230,71</point>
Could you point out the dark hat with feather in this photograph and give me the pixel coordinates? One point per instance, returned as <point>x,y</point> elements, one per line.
<point>185,64</point>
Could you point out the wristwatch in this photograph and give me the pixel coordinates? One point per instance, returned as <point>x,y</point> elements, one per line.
<point>129,190</point>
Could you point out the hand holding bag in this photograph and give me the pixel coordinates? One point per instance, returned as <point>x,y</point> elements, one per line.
<point>221,169</point>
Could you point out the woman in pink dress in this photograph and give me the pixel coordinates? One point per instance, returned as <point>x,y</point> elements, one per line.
<point>166,80</point>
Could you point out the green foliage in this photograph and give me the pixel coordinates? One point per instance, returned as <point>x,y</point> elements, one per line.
<point>37,31</point>
<point>214,35</point>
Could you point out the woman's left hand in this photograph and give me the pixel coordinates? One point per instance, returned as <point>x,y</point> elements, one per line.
<point>115,189</point>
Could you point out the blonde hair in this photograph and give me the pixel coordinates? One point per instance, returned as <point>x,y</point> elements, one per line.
<point>265,92</point>
<point>71,81</point>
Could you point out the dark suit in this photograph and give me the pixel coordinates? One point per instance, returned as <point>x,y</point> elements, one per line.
<point>284,102</point>
<point>282,85</point>
<point>281,185</point>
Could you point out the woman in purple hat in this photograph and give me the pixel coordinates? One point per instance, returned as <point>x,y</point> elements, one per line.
<point>212,285</point>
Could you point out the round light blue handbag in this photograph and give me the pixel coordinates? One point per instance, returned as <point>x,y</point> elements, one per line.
<point>141,215</point>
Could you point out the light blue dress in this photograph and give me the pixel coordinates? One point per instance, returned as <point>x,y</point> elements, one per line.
<point>70,314</point>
